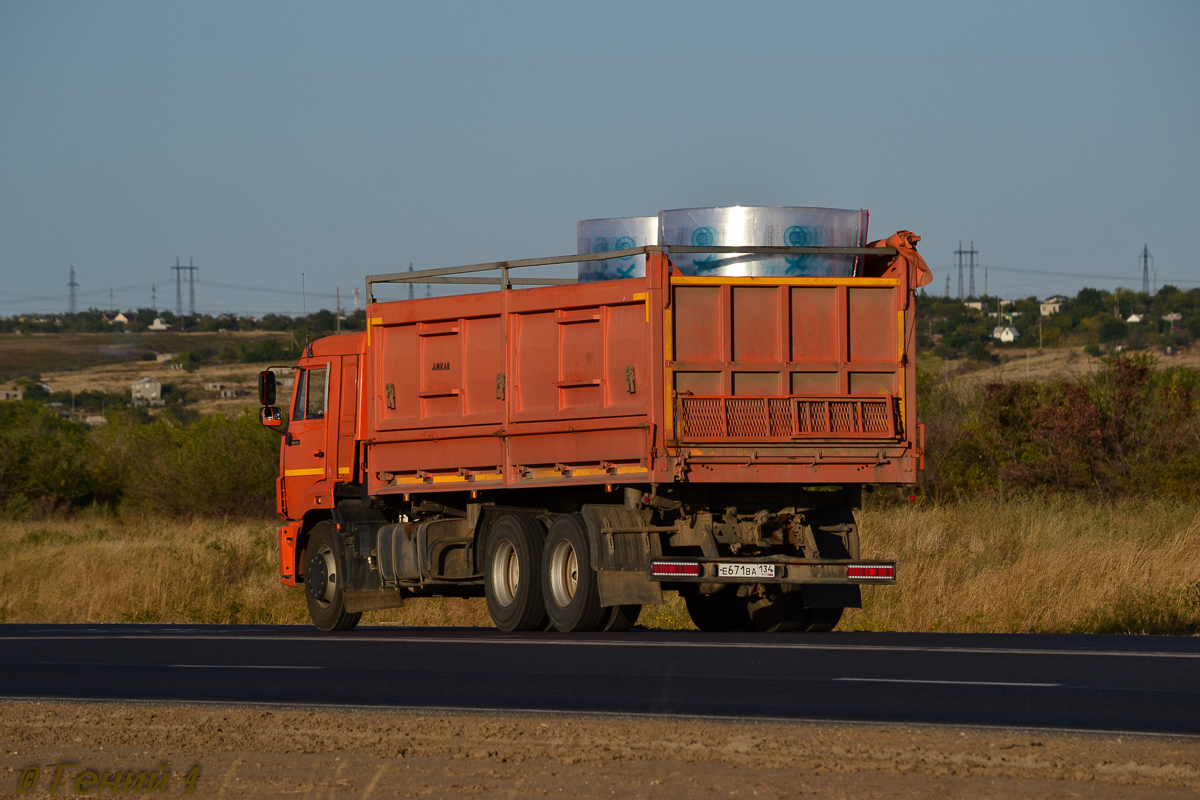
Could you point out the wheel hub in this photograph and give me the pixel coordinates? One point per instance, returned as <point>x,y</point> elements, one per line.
<point>564,574</point>
<point>506,574</point>
<point>321,577</point>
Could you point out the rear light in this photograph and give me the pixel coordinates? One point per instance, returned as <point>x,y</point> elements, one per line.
<point>871,572</point>
<point>670,568</point>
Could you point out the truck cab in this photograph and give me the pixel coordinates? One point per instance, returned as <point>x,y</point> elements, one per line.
<point>318,454</point>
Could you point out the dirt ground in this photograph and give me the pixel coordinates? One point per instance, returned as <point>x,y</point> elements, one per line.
<point>350,753</point>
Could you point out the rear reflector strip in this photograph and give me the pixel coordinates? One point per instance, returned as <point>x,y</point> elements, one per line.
<point>688,568</point>
<point>871,572</point>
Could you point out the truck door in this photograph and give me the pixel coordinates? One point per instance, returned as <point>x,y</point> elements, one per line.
<point>347,415</point>
<point>304,456</point>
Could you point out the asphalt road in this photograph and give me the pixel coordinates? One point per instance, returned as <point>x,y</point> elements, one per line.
<point>1108,683</point>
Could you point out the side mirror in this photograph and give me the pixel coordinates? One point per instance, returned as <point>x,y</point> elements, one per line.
<point>271,416</point>
<point>266,389</point>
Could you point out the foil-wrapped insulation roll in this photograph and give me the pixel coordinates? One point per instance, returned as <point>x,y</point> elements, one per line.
<point>763,226</point>
<point>606,235</point>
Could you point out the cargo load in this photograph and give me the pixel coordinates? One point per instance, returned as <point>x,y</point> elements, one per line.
<point>606,235</point>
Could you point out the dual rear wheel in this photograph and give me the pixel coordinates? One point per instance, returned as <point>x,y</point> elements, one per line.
<point>536,579</point>
<point>778,612</point>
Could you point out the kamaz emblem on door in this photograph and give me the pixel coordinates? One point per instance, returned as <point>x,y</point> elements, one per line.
<point>441,366</point>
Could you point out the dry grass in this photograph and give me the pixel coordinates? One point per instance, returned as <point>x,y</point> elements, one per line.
<point>207,571</point>
<point>1059,565</point>
<point>1035,565</point>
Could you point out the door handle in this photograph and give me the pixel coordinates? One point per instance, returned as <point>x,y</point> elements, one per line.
<point>319,454</point>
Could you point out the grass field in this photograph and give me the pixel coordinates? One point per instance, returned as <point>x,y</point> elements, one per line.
<point>1027,566</point>
<point>39,353</point>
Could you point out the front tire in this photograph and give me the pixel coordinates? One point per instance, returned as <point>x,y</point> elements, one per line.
<point>512,580</point>
<point>323,582</point>
<point>569,586</point>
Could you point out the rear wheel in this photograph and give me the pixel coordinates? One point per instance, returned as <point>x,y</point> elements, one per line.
<point>821,620</point>
<point>570,588</point>
<point>778,612</point>
<point>719,613</point>
<point>323,584</point>
<point>621,618</point>
<point>512,579</point>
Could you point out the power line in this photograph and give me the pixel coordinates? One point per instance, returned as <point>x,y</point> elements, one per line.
<point>1145,269</point>
<point>1052,273</point>
<point>960,253</point>
<point>191,270</point>
<point>73,286</point>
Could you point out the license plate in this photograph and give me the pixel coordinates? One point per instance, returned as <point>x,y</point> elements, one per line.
<point>745,570</point>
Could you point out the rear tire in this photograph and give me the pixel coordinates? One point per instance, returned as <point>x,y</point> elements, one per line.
<point>569,584</point>
<point>779,612</point>
<point>718,613</point>
<point>821,620</point>
<point>512,579</point>
<point>323,584</point>
<point>621,618</point>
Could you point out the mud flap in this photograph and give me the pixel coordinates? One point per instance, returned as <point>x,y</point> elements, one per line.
<point>289,535</point>
<point>626,588</point>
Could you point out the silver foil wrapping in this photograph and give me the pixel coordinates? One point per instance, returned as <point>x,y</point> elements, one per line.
<point>619,233</point>
<point>763,226</point>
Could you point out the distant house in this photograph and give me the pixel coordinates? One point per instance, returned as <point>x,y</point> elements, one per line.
<point>12,392</point>
<point>283,379</point>
<point>213,387</point>
<point>1134,317</point>
<point>147,392</point>
<point>1051,305</point>
<point>123,318</point>
<point>231,392</point>
<point>158,325</point>
<point>977,306</point>
<point>1006,333</point>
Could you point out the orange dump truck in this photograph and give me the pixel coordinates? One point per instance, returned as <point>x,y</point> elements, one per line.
<point>571,451</point>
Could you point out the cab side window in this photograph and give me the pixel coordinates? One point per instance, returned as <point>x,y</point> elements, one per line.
<point>298,406</point>
<point>318,380</point>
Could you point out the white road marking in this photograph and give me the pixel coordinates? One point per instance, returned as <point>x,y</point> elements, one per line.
<point>949,683</point>
<point>584,641</point>
<point>228,666</point>
<point>151,665</point>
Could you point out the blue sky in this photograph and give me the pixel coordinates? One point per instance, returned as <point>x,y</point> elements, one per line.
<point>267,140</point>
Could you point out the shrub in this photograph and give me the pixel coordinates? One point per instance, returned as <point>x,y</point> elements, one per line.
<point>215,467</point>
<point>44,460</point>
<point>1130,430</point>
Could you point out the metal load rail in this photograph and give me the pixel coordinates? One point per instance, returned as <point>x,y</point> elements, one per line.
<point>505,281</point>
<point>720,418</point>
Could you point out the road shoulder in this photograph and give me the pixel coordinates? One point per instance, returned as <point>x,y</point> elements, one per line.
<point>267,751</point>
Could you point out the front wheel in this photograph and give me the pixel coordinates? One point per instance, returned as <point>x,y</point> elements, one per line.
<point>569,585</point>
<point>323,583</point>
<point>512,581</point>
